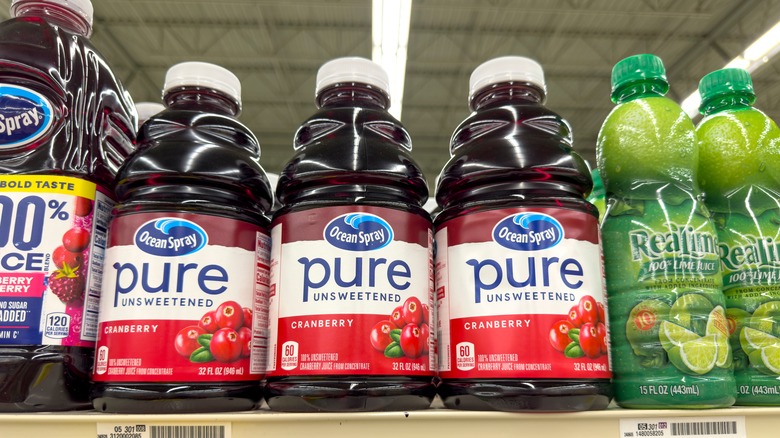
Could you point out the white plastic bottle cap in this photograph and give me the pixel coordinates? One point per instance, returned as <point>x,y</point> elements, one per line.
<point>203,74</point>
<point>506,69</point>
<point>352,69</point>
<point>83,8</point>
<point>146,110</point>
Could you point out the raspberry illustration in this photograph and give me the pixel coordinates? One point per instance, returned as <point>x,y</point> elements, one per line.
<point>67,285</point>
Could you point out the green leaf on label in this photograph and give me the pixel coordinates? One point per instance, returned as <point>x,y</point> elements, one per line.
<point>205,339</point>
<point>201,355</point>
<point>394,351</point>
<point>395,335</point>
<point>573,350</point>
<point>574,335</point>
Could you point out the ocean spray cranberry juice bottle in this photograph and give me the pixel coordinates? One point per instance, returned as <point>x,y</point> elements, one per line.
<point>351,264</point>
<point>519,278</point>
<point>183,311</point>
<point>67,125</point>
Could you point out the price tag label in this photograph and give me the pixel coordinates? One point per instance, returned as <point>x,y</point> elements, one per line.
<point>141,430</point>
<point>683,427</point>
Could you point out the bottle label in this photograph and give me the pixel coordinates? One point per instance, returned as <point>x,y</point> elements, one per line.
<point>669,330</point>
<point>351,293</point>
<point>25,116</point>
<point>52,240</point>
<point>520,294</point>
<point>750,257</point>
<point>184,299</point>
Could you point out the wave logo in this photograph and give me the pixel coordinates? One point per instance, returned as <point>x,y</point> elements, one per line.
<point>358,232</point>
<point>528,232</point>
<point>24,116</point>
<point>170,237</point>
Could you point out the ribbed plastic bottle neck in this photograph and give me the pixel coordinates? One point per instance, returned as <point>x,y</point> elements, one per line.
<point>200,99</point>
<point>56,15</point>
<point>507,93</point>
<point>640,90</point>
<point>352,94</point>
<point>736,101</point>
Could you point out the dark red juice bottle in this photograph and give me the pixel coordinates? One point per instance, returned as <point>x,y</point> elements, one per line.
<point>519,281</point>
<point>351,264</point>
<point>183,311</point>
<point>66,125</point>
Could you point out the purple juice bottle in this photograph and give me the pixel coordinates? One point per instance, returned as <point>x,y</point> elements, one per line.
<point>351,264</point>
<point>183,311</point>
<point>519,277</point>
<point>67,125</point>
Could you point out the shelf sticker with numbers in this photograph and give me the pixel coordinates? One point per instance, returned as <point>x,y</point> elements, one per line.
<point>683,427</point>
<point>143,430</point>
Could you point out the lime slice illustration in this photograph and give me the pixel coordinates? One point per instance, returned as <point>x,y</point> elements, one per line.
<point>752,340</point>
<point>688,311</point>
<point>695,357</point>
<point>673,335</point>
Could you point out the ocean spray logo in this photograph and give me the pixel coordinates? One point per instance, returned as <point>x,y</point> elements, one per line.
<point>170,237</point>
<point>358,232</point>
<point>528,232</point>
<point>24,116</point>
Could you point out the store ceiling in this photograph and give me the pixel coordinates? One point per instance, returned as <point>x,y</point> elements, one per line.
<point>276,47</point>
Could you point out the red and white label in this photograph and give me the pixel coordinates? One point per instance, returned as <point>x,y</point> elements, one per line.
<point>184,298</point>
<point>351,293</point>
<point>510,285</point>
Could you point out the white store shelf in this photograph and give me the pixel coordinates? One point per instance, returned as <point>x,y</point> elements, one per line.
<point>759,423</point>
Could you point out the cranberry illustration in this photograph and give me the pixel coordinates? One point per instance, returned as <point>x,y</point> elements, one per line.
<point>186,340</point>
<point>589,340</point>
<point>413,311</point>
<point>247,317</point>
<point>76,239</point>
<point>574,316</point>
<point>83,206</point>
<point>397,317</point>
<point>208,322</point>
<point>412,342</point>
<point>61,256</point>
<point>245,337</point>
<point>426,313</point>
<point>225,345</point>
<point>602,313</point>
<point>559,334</point>
<point>229,314</point>
<point>380,335</point>
<point>588,310</point>
<point>601,330</point>
<point>425,333</point>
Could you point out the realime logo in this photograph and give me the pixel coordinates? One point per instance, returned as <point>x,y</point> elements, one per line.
<point>528,232</point>
<point>24,116</point>
<point>358,232</point>
<point>170,237</point>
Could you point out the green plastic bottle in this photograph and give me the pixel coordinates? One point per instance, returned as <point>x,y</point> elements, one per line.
<point>669,334</point>
<point>739,164</point>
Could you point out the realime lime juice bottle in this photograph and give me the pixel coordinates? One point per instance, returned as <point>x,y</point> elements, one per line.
<point>669,335</point>
<point>738,169</point>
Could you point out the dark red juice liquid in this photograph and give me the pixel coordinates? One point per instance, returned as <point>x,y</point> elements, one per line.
<point>351,152</point>
<point>506,155</point>
<point>91,133</point>
<point>190,160</point>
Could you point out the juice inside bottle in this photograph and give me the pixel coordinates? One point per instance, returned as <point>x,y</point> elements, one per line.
<point>183,312</point>
<point>739,160</point>
<point>351,271</point>
<point>68,123</point>
<point>519,286</point>
<point>669,336</point>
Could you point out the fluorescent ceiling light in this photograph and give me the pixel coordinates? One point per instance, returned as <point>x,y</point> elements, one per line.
<point>390,36</point>
<point>755,56</point>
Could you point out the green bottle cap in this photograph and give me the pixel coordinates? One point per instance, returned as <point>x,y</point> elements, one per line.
<point>724,82</point>
<point>637,69</point>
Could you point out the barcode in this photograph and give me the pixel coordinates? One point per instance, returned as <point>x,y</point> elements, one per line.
<point>704,428</point>
<point>186,431</point>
